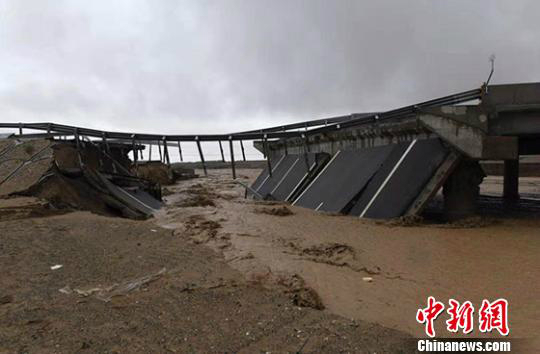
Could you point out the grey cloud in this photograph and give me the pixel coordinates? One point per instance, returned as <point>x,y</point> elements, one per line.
<point>218,66</point>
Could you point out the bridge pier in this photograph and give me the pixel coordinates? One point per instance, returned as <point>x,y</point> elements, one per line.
<point>511,180</point>
<point>461,190</point>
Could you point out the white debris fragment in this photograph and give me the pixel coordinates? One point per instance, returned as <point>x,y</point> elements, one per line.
<point>66,290</point>
<point>56,266</point>
<point>368,279</point>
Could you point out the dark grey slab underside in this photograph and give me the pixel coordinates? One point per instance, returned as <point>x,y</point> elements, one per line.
<point>288,174</point>
<point>380,182</point>
<point>406,182</point>
<point>264,174</point>
<point>296,174</point>
<point>342,179</point>
<point>278,172</point>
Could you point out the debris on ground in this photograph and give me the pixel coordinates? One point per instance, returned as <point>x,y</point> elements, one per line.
<point>197,195</point>
<point>195,201</point>
<point>277,211</point>
<point>301,294</point>
<point>155,171</point>
<point>307,297</point>
<point>183,173</point>
<point>107,293</point>
<point>158,172</point>
<point>330,253</point>
<point>200,229</point>
<point>6,299</point>
<point>404,221</point>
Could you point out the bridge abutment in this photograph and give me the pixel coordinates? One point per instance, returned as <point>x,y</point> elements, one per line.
<point>461,190</point>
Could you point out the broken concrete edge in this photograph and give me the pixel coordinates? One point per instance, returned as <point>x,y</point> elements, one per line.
<point>354,138</point>
<point>471,140</point>
<point>461,126</point>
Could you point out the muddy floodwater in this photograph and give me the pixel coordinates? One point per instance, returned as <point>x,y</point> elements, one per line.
<point>377,271</point>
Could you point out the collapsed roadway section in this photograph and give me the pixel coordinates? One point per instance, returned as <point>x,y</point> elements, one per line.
<point>390,164</point>
<point>378,165</point>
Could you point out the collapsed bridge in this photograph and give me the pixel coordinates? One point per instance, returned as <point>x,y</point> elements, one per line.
<point>377,165</point>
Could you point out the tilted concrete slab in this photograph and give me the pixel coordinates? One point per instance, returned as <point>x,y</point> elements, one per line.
<point>288,175</point>
<point>380,182</point>
<point>342,178</point>
<point>401,179</point>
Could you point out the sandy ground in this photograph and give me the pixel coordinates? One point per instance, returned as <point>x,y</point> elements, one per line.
<point>79,282</point>
<point>215,272</point>
<point>333,254</point>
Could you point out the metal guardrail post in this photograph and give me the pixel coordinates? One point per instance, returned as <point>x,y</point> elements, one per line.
<point>221,150</point>
<point>201,155</point>
<point>142,150</point>
<point>166,151</point>
<point>232,157</point>
<point>243,152</point>
<point>135,151</point>
<point>78,146</point>
<point>267,154</point>
<point>180,152</point>
<point>306,151</point>
<point>104,139</point>
<point>108,150</point>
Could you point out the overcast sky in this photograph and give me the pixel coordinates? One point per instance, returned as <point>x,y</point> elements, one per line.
<point>221,66</point>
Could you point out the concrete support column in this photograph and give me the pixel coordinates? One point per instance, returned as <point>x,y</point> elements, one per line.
<point>461,190</point>
<point>511,180</point>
